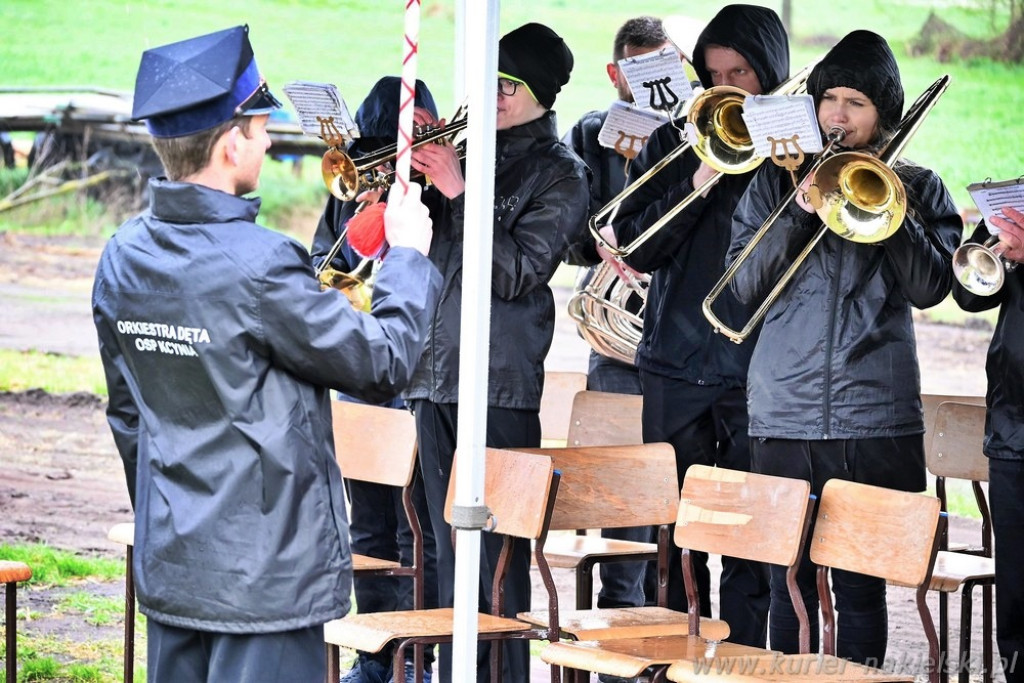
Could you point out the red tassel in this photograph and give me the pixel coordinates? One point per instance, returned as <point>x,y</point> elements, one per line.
<point>366,231</point>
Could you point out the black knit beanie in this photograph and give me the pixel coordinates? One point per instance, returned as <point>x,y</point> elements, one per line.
<point>862,61</point>
<point>537,56</point>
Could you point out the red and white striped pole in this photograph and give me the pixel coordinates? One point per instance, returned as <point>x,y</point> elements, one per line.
<point>408,94</point>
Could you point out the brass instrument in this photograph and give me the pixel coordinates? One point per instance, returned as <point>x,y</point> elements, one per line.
<point>346,178</point>
<point>722,142</point>
<point>609,310</point>
<point>856,195</point>
<point>607,313</point>
<point>982,268</point>
<point>356,285</point>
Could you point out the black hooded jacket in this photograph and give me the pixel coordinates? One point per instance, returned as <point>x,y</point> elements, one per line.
<point>1004,428</point>
<point>685,257</point>
<point>837,357</point>
<point>540,207</point>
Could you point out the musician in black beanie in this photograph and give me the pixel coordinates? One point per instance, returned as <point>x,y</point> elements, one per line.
<point>540,207</point>
<point>834,388</point>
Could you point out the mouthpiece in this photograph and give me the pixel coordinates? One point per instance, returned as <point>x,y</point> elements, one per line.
<point>836,134</point>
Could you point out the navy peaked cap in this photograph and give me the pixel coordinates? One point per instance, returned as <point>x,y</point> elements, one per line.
<point>196,84</point>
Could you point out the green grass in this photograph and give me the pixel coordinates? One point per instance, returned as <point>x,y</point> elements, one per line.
<point>58,568</point>
<point>54,373</point>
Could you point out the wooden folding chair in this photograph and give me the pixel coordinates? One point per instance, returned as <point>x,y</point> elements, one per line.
<point>956,453</point>
<point>124,534</point>
<point>388,458</point>
<point>599,419</point>
<point>556,404</point>
<point>519,490</point>
<point>12,573</point>
<point>870,530</point>
<point>721,511</point>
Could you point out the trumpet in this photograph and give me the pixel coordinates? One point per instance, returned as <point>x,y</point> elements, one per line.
<point>346,178</point>
<point>856,195</point>
<point>982,268</point>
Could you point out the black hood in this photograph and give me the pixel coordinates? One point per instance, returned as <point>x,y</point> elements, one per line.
<point>377,116</point>
<point>754,32</point>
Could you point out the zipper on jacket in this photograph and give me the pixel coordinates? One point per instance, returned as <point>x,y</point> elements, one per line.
<point>829,345</point>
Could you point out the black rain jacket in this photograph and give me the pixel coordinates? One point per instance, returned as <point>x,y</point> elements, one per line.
<point>837,357</point>
<point>685,258</point>
<point>1004,425</point>
<point>540,206</point>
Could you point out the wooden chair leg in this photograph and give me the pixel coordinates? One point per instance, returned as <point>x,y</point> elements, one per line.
<point>11,605</point>
<point>129,619</point>
<point>333,654</point>
<point>943,638</point>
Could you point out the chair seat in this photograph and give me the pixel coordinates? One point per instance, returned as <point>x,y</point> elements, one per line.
<point>566,552</point>
<point>952,570</point>
<point>14,572</point>
<point>629,657</point>
<point>123,533</point>
<point>365,563</point>
<point>372,631</point>
<point>778,667</point>
<point>627,622</point>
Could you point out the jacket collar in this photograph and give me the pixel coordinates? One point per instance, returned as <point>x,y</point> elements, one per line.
<point>183,203</point>
<point>518,139</point>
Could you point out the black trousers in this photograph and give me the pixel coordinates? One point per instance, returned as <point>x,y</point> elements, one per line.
<point>862,629</point>
<point>180,654</point>
<point>436,427</point>
<point>708,425</point>
<point>1006,488</point>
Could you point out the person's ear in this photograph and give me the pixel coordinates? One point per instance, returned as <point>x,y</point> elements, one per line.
<point>613,73</point>
<point>231,145</point>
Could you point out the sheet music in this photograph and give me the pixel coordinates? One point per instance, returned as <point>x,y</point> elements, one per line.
<point>784,118</point>
<point>991,197</point>
<point>657,79</point>
<point>315,102</point>
<point>626,128</point>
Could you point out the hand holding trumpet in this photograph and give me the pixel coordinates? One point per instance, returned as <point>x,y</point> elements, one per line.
<point>439,162</point>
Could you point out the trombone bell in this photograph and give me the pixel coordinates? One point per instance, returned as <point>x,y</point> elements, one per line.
<point>862,199</point>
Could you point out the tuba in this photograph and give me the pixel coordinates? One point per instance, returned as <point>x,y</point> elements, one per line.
<point>857,196</point>
<point>607,307</point>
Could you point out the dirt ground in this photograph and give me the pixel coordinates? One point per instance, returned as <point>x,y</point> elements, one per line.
<point>61,482</point>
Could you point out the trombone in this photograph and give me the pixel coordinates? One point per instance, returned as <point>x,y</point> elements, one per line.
<point>346,178</point>
<point>856,195</point>
<point>722,142</point>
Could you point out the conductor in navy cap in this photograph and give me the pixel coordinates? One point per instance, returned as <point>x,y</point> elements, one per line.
<point>219,350</point>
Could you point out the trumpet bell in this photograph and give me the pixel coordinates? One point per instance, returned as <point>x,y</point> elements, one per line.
<point>340,174</point>
<point>978,269</point>
<point>723,141</point>
<point>859,197</point>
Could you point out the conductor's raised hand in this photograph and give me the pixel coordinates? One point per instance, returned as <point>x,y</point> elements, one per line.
<point>407,220</point>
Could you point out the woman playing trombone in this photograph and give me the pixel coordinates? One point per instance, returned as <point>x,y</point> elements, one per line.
<point>834,385</point>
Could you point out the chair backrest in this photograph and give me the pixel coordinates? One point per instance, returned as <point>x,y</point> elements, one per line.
<point>930,404</point>
<point>556,403</point>
<point>374,444</point>
<point>957,442</point>
<point>517,491</point>
<point>876,531</point>
<point>741,514</point>
<point>605,419</point>
<point>604,487</point>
